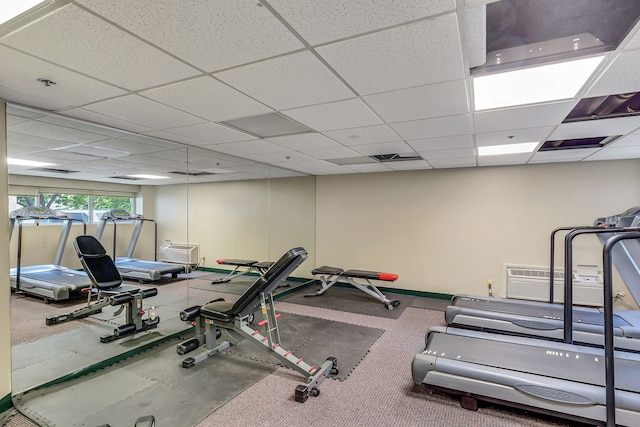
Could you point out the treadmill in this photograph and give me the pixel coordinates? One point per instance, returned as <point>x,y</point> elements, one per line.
<point>133,268</point>
<point>52,282</point>
<point>546,320</point>
<point>578,382</point>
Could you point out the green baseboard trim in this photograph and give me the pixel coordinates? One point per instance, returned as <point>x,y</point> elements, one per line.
<point>109,362</point>
<point>5,403</point>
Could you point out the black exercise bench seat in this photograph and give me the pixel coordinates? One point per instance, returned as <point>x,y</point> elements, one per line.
<point>247,265</point>
<point>331,275</point>
<point>218,316</point>
<point>107,287</point>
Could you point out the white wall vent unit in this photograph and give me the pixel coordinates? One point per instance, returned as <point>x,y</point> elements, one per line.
<point>179,253</point>
<point>532,283</point>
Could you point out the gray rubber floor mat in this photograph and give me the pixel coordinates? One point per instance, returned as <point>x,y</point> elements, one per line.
<point>155,382</point>
<point>351,300</point>
<point>430,303</point>
<point>314,339</point>
<point>52,357</point>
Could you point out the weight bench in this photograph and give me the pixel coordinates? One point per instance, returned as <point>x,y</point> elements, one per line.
<point>107,287</point>
<point>331,275</point>
<point>247,266</point>
<point>218,316</point>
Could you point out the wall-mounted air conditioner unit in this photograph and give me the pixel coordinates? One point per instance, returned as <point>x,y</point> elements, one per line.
<point>179,253</point>
<point>532,283</point>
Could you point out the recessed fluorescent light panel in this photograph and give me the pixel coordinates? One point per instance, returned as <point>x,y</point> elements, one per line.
<point>495,150</point>
<point>533,85</point>
<point>145,176</point>
<point>12,8</point>
<point>21,162</point>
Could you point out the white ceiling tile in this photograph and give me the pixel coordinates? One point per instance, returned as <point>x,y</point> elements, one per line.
<point>617,78</point>
<point>43,129</point>
<point>408,165</point>
<point>281,158</point>
<point>258,146</point>
<point>572,155</point>
<point>515,136</point>
<point>304,141</point>
<point>504,159</point>
<point>144,111</point>
<point>369,167</point>
<point>91,116</point>
<point>322,21</point>
<point>453,163</point>
<point>33,141</point>
<point>400,57</point>
<point>336,115</point>
<point>616,153</point>
<point>454,153</point>
<point>289,81</point>
<point>128,146</point>
<point>442,143</point>
<point>71,89</point>
<point>634,41</point>
<point>632,140</point>
<point>211,133</point>
<point>551,114</point>
<point>399,147</point>
<point>437,100</point>
<point>431,128</point>
<point>221,148</point>
<point>94,151</point>
<point>79,40</point>
<point>203,32</point>
<point>593,128</point>
<point>207,98</point>
<point>318,167</point>
<point>368,135</point>
<point>331,153</point>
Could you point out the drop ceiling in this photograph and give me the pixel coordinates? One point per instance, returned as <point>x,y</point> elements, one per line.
<point>167,81</point>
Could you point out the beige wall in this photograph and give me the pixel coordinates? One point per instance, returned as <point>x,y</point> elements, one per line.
<point>449,231</point>
<point>5,291</point>
<point>257,219</point>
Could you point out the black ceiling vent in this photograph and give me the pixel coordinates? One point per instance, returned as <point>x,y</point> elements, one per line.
<point>572,144</point>
<point>385,158</point>
<point>605,107</point>
<point>193,173</point>
<point>53,170</point>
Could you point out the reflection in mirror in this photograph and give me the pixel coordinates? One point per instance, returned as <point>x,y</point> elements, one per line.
<point>84,171</point>
<point>208,206</point>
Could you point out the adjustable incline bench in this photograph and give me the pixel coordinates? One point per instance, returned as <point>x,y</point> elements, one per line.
<point>106,285</point>
<point>248,266</point>
<point>218,316</point>
<point>331,276</point>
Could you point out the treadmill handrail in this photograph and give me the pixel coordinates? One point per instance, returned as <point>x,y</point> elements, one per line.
<point>607,266</point>
<point>553,255</point>
<point>568,278</point>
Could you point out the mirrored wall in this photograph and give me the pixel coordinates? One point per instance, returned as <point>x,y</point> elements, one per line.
<point>225,207</point>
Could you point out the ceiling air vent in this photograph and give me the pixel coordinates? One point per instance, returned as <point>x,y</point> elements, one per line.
<point>192,173</point>
<point>572,144</point>
<point>268,125</point>
<point>53,170</point>
<point>385,158</point>
<point>605,107</point>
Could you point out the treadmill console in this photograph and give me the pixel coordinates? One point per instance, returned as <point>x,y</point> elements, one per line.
<point>36,212</point>
<point>119,215</point>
